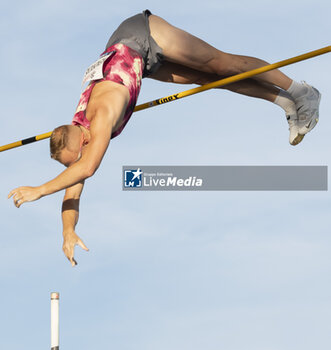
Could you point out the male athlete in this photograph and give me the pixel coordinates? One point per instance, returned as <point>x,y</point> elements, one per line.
<point>146,45</point>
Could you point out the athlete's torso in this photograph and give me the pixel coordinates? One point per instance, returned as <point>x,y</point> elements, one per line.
<point>124,67</point>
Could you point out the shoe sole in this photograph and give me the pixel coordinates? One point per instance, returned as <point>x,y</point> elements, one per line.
<point>297,139</point>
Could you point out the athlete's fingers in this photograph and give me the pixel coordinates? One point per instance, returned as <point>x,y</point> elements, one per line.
<point>19,202</point>
<point>73,262</point>
<point>82,245</point>
<point>14,192</point>
<point>16,200</point>
<point>68,252</point>
<point>71,259</point>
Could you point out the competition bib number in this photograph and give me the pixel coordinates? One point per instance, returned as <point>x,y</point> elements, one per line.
<point>95,71</point>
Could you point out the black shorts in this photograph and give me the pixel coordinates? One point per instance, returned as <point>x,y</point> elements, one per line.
<point>134,32</point>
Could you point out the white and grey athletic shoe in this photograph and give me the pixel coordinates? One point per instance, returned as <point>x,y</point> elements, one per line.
<point>295,138</point>
<point>308,109</point>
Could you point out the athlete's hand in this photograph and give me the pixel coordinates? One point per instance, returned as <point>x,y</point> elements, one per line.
<point>70,240</point>
<point>25,194</point>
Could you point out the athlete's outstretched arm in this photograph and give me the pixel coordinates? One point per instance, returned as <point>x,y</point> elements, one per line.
<point>70,215</point>
<point>101,129</point>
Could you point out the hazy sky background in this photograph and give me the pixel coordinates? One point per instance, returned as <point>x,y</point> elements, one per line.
<point>166,270</point>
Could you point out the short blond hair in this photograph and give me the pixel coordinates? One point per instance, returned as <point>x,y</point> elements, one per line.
<point>59,141</point>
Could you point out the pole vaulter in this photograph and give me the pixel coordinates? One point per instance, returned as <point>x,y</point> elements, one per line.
<point>146,46</point>
<point>175,97</point>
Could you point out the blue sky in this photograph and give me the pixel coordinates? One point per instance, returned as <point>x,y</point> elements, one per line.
<point>213,270</point>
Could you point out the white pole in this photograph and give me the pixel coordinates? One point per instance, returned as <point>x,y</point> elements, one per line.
<point>55,320</point>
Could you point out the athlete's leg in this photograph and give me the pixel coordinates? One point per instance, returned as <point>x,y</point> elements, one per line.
<point>175,73</point>
<point>181,47</point>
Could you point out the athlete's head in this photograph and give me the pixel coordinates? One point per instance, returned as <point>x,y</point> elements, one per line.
<point>66,144</point>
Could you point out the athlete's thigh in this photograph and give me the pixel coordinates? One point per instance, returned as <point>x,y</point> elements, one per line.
<point>181,47</point>
<point>171,72</point>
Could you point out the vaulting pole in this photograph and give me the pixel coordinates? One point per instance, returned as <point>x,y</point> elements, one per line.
<point>196,90</point>
<point>25,141</point>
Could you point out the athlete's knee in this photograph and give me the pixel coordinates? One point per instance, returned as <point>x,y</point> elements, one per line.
<point>227,64</point>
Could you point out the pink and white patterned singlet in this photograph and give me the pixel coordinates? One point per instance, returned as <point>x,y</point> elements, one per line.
<point>125,67</point>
